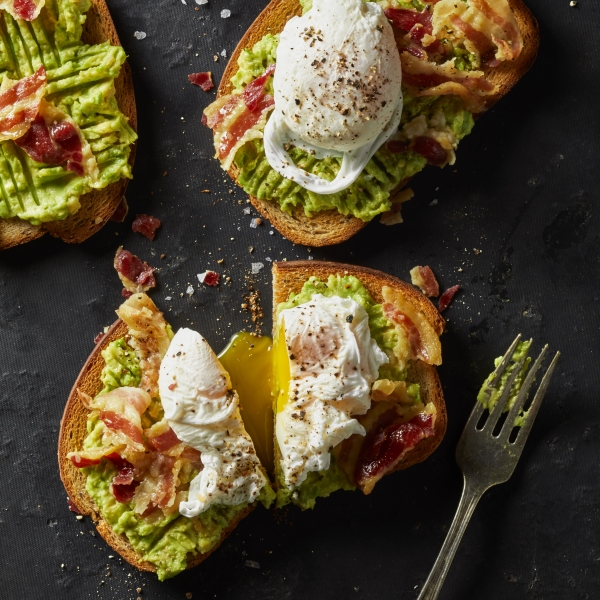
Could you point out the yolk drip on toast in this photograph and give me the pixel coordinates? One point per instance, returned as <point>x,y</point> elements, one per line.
<point>249,361</point>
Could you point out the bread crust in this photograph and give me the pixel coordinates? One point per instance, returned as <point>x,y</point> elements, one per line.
<point>70,439</point>
<point>290,276</point>
<point>97,206</point>
<point>330,227</point>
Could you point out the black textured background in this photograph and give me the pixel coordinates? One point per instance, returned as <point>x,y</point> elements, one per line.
<point>524,191</point>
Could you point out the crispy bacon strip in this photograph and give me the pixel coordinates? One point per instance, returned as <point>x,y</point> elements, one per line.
<point>255,90</point>
<point>425,280</point>
<point>165,441</point>
<point>245,121</point>
<point>119,423</point>
<point>414,336</point>
<point>387,443</point>
<point>20,105</point>
<point>481,42</point>
<point>215,113</point>
<point>54,138</point>
<point>429,79</point>
<point>488,27</point>
<point>502,16</point>
<point>148,337</point>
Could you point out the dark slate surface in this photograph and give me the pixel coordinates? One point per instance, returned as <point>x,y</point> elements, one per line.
<point>523,192</point>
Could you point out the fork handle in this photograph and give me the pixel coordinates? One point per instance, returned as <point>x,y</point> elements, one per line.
<point>468,501</point>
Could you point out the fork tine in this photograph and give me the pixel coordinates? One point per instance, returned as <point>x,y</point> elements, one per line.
<point>499,370</point>
<point>475,416</point>
<point>523,395</point>
<point>501,403</point>
<point>535,404</point>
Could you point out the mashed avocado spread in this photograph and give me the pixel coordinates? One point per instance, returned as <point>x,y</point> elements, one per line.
<point>322,484</point>
<point>369,195</point>
<point>489,396</point>
<point>168,541</point>
<point>81,83</point>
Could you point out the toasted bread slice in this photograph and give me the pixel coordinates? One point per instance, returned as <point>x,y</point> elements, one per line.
<point>330,227</point>
<point>97,206</point>
<point>72,433</point>
<point>290,276</point>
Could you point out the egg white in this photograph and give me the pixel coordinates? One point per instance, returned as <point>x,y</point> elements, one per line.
<point>337,89</point>
<point>203,411</point>
<point>333,364</point>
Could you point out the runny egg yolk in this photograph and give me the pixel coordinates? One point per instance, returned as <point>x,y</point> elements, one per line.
<point>281,369</point>
<point>249,361</point>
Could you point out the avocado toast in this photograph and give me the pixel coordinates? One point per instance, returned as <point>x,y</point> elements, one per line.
<point>133,487</point>
<point>406,420</point>
<point>89,81</point>
<point>312,219</point>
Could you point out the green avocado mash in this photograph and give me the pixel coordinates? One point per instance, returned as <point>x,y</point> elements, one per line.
<point>80,81</point>
<point>322,484</point>
<point>169,541</point>
<point>369,195</point>
<point>489,396</point>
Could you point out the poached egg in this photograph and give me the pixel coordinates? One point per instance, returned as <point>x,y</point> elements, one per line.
<point>337,90</point>
<point>326,362</point>
<point>203,411</point>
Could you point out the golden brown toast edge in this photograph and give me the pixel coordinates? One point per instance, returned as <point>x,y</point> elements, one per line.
<point>290,276</point>
<point>97,206</point>
<point>70,439</point>
<point>330,227</point>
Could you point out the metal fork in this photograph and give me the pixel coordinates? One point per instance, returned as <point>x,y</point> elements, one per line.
<point>485,459</point>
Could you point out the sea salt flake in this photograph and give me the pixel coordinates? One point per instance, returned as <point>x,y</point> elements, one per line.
<point>247,210</point>
<point>201,2</point>
<point>253,564</point>
<point>267,258</point>
<point>190,290</point>
<point>271,232</point>
<point>225,13</point>
<point>256,267</point>
<point>223,53</point>
<point>139,35</point>
<point>255,223</point>
<point>433,202</point>
<point>169,298</point>
<point>184,2</point>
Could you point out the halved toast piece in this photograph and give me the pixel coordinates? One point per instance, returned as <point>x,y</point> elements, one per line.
<point>331,227</point>
<point>73,431</point>
<point>97,206</point>
<point>289,277</point>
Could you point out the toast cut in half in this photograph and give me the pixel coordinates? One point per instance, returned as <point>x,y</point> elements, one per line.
<point>98,205</point>
<point>290,289</point>
<point>329,227</point>
<point>163,548</point>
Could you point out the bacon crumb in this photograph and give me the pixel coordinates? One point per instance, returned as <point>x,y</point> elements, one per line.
<point>99,337</point>
<point>146,225</point>
<point>209,278</point>
<point>126,293</point>
<point>136,275</point>
<point>202,80</point>
<point>446,297</point>
<point>425,280</point>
